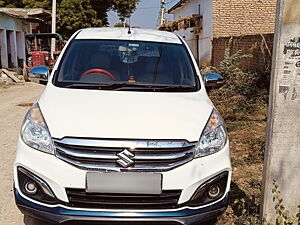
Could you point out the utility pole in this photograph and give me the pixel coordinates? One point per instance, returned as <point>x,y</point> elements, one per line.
<point>53,26</point>
<point>162,13</point>
<point>282,154</point>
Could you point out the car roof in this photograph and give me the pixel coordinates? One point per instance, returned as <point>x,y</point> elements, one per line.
<point>122,34</point>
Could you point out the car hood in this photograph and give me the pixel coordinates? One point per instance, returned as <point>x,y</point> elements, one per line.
<point>124,114</point>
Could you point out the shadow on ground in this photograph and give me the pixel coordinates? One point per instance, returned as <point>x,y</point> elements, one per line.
<point>32,221</point>
<point>241,203</point>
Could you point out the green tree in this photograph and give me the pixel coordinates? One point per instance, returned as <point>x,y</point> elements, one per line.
<point>45,4</point>
<point>124,8</point>
<point>11,3</point>
<point>77,14</point>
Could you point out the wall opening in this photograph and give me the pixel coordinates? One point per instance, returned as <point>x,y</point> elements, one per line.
<point>21,55</point>
<point>8,48</point>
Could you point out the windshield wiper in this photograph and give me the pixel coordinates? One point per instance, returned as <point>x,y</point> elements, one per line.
<point>95,86</point>
<point>177,88</point>
<point>156,88</point>
<point>130,86</point>
<point>112,86</point>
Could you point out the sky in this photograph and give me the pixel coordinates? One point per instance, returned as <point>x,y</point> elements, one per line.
<point>145,16</point>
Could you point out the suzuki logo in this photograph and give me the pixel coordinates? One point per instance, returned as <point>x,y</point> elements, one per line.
<point>125,158</point>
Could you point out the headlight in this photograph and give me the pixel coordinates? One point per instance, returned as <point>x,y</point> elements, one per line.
<point>213,138</point>
<point>35,132</point>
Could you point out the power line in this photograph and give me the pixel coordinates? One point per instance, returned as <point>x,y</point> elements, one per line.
<point>170,2</point>
<point>155,7</point>
<point>149,8</point>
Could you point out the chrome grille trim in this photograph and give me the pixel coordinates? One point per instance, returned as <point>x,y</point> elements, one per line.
<point>87,155</point>
<point>149,156</point>
<point>125,143</point>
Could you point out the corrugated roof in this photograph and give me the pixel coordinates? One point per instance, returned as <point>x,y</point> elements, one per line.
<point>31,15</point>
<point>177,5</point>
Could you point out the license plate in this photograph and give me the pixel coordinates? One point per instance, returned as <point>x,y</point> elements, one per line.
<point>124,183</point>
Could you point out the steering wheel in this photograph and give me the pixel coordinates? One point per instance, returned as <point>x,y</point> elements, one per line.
<point>97,70</point>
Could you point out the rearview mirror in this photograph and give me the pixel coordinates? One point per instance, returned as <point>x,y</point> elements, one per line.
<point>213,80</point>
<point>39,74</point>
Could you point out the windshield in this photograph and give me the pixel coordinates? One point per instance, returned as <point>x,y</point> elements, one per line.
<point>122,65</point>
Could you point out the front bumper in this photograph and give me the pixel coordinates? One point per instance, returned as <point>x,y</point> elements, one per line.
<point>60,214</point>
<point>186,178</point>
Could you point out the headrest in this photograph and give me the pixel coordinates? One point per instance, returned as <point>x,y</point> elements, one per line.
<point>100,60</point>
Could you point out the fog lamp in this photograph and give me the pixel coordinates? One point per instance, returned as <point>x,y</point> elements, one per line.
<point>31,188</point>
<point>214,191</point>
<point>210,191</point>
<point>34,187</point>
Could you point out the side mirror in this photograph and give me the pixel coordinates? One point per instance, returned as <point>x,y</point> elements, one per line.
<point>213,80</point>
<point>39,74</point>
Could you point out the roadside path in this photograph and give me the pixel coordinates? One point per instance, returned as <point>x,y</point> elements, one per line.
<point>11,117</point>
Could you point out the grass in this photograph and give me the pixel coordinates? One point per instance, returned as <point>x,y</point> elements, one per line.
<point>242,102</point>
<point>246,129</point>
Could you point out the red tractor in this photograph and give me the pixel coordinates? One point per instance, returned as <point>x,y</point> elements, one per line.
<point>38,49</point>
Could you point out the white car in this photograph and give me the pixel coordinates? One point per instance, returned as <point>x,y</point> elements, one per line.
<point>124,132</point>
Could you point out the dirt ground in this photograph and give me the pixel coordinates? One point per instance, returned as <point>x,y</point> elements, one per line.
<point>246,132</point>
<point>11,117</point>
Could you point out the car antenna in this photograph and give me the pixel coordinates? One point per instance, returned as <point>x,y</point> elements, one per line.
<point>129,29</point>
<point>129,25</point>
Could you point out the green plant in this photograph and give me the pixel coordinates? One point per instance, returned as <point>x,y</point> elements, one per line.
<point>283,216</point>
<point>249,210</point>
<point>236,79</point>
<point>244,94</point>
<point>249,213</point>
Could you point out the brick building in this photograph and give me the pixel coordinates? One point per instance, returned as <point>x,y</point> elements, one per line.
<point>208,25</point>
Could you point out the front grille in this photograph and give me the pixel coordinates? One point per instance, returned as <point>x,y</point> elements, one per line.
<point>103,154</point>
<point>81,199</point>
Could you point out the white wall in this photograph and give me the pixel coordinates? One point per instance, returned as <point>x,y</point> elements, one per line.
<point>21,53</point>
<point>10,23</point>
<point>3,48</point>
<point>12,39</point>
<point>206,36</point>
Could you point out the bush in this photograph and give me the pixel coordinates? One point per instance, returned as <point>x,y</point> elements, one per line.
<point>244,92</point>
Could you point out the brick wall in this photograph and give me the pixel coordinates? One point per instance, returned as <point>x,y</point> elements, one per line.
<point>243,17</point>
<point>258,46</point>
